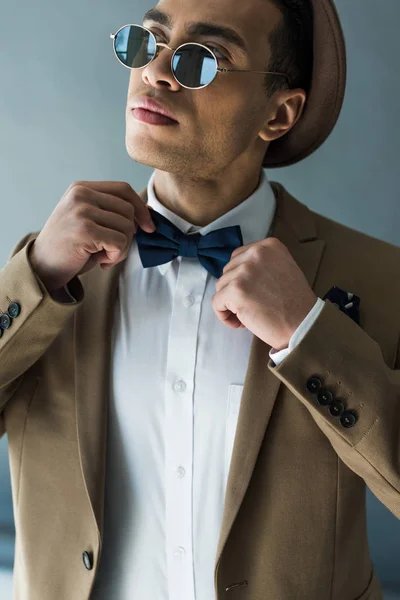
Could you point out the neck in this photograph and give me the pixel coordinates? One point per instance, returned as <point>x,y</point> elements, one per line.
<point>203,201</point>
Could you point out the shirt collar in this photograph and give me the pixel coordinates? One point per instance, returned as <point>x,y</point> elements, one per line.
<point>254,215</point>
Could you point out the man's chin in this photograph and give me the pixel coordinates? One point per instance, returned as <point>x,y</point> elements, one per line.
<point>157,158</point>
<point>150,159</point>
<point>144,152</point>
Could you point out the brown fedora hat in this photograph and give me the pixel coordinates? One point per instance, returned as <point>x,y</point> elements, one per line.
<point>326,95</point>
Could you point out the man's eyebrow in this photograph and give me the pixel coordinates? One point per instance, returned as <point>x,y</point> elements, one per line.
<point>226,33</point>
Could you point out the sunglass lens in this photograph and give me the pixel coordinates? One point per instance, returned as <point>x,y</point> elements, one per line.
<point>134,46</point>
<point>194,66</point>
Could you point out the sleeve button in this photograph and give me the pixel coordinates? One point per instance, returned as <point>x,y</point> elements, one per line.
<point>324,397</point>
<point>336,408</point>
<point>14,309</point>
<point>5,321</point>
<point>348,419</point>
<point>314,385</point>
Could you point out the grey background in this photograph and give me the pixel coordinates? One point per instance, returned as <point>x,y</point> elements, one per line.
<point>62,118</point>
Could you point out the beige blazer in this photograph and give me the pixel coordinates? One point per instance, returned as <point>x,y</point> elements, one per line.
<point>294,519</point>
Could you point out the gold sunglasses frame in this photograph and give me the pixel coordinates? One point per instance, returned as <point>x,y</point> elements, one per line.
<point>159,45</point>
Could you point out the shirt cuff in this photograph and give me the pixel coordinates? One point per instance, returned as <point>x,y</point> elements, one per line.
<point>300,332</point>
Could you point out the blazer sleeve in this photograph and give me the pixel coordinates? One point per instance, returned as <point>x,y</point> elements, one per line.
<point>338,372</point>
<point>42,317</point>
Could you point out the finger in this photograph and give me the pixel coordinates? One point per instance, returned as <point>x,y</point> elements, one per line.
<point>123,190</point>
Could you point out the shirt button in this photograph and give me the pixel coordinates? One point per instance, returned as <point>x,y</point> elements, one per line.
<point>180,472</point>
<point>179,386</point>
<point>188,301</point>
<point>180,551</point>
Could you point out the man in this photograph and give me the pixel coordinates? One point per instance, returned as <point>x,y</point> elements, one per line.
<point>200,422</point>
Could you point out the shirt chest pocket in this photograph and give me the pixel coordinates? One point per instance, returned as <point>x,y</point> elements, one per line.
<point>234,398</point>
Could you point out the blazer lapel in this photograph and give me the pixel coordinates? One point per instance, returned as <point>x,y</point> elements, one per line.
<point>294,226</point>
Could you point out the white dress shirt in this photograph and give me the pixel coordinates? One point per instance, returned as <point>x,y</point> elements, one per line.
<point>176,384</point>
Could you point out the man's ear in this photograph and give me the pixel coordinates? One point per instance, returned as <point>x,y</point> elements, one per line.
<point>285,109</point>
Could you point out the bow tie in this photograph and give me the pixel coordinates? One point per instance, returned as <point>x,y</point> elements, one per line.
<point>213,250</point>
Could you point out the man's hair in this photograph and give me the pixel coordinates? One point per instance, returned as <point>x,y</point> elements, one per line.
<point>291,47</point>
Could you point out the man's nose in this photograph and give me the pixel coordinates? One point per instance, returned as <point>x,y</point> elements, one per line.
<point>158,73</point>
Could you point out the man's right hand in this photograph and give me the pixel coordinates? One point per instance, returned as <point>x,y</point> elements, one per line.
<point>94,222</point>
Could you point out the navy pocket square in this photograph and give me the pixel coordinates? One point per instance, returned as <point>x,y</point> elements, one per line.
<point>347,302</point>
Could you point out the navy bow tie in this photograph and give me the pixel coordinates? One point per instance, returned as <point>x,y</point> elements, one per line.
<point>213,250</point>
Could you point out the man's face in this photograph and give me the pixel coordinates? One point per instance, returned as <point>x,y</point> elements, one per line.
<point>221,122</point>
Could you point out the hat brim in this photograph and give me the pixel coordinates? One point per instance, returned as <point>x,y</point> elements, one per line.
<point>325,98</point>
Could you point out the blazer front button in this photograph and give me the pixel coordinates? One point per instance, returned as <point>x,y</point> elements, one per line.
<point>87,560</point>
<point>348,419</point>
<point>314,385</point>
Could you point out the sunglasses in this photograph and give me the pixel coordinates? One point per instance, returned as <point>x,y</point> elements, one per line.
<point>193,65</point>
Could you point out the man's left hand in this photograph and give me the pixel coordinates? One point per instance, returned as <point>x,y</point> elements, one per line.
<point>262,288</point>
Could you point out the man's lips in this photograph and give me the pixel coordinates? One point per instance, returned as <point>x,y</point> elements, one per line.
<point>152,118</point>
<point>154,106</point>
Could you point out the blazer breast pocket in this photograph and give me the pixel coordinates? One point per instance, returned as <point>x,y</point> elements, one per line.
<point>234,398</point>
